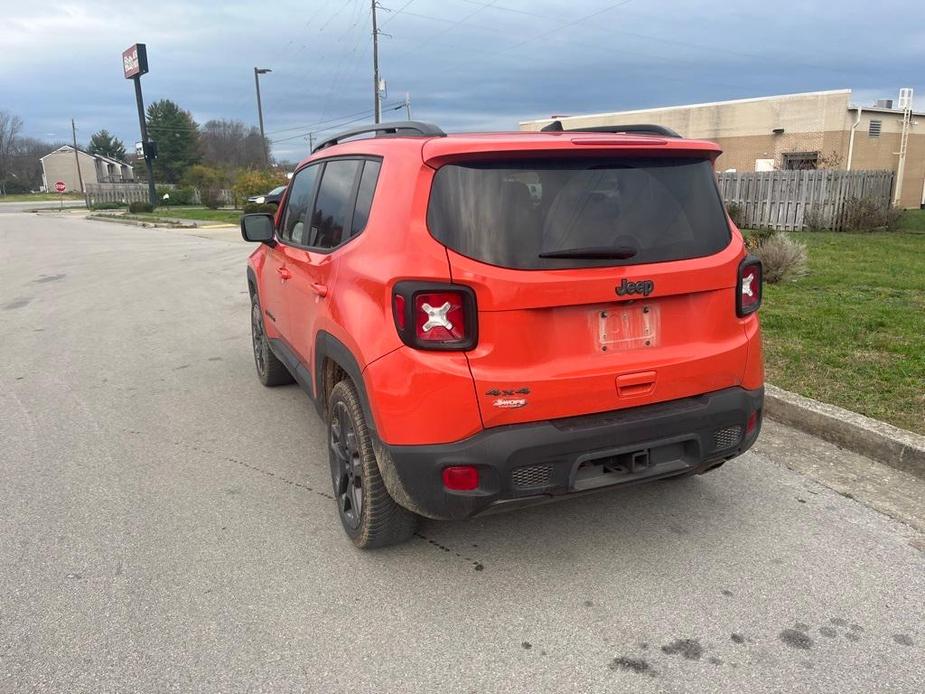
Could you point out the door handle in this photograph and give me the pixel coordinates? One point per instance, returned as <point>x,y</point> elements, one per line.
<point>284,273</point>
<point>319,289</point>
<point>640,383</point>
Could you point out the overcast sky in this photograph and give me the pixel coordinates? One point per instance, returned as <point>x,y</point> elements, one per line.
<point>467,64</point>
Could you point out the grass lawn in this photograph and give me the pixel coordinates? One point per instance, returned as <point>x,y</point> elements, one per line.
<point>852,332</point>
<point>913,219</point>
<point>198,214</point>
<point>39,197</point>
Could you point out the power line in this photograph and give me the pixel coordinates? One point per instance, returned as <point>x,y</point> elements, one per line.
<point>366,115</point>
<point>515,10</point>
<point>394,13</point>
<point>453,24</point>
<point>322,122</point>
<point>340,66</point>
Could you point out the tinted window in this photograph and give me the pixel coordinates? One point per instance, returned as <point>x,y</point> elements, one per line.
<point>295,226</point>
<point>365,196</point>
<point>334,203</point>
<point>508,213</point>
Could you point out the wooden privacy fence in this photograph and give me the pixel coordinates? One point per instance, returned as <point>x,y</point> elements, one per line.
<point>793,200</point>
<point>107,193</point>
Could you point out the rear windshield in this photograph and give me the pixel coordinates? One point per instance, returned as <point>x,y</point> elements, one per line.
<point>508,213</point>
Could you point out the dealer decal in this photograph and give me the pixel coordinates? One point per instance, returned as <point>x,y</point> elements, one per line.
<point>510,403</point>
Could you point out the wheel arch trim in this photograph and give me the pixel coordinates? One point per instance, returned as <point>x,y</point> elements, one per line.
<point>329,347</point>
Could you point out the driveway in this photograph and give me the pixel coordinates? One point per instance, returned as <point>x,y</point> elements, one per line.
<point>167,525</point>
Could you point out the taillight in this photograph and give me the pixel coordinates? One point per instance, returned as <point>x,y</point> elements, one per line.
<point>398,308</point>
<point>748,287</point>
<point>435,316</point>
<point>439,317</point>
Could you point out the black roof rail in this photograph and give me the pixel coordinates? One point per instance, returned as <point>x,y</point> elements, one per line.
<point>404,128</point>
<point>556,127</point>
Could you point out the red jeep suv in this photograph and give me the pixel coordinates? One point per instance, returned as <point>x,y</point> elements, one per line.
<point>485,321</point>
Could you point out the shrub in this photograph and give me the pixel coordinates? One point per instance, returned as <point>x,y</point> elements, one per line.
<point>211,197</point>
<point>755,237</point>
<point>14,186</point>
<point>137,207</point>
<point>253,207</point>
<point>257,182</point>
<point>183,195</point>
<point>736,213</point>
<point>208,181</point>
<point>867,214</point>
<point>782,258</point>
<point>813,219</point>
<point>107,206</point>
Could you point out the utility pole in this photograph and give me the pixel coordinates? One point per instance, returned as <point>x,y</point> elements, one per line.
<point>377,108</point>
<point>408,105</point>
<point>311,142</point>
<point>80,177</point>
<point>263,139</point>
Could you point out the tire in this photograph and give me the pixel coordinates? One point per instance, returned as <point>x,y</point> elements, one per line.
<point>370,517</point>
<point>270,370</point>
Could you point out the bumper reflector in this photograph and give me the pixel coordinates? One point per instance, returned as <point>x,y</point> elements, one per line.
<point>461,478</point>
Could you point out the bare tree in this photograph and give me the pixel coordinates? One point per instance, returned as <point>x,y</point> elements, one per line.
<point>26,164</point>
<point>10,127</point>
<point>230,143</point>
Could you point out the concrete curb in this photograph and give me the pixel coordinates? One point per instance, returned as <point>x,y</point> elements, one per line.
<point>138,223</point>
<point>898,448</point>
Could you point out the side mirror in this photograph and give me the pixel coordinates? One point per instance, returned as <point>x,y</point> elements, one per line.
<point>257,228</point>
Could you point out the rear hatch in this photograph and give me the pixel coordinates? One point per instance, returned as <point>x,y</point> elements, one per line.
<point>603,280</point>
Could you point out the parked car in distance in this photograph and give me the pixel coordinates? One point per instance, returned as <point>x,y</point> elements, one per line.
<point>271,198</point>
<point>487,321</point>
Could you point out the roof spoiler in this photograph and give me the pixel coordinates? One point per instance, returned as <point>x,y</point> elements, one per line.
<point>556,127</point>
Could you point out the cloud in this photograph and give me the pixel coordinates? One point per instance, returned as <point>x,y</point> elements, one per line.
<point>467,64</point>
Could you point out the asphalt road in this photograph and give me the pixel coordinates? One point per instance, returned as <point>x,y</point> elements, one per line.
<point>166,525</point>
<point>18,207</point>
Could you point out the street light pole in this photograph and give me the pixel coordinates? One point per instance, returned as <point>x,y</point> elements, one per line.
<point>263,139</point>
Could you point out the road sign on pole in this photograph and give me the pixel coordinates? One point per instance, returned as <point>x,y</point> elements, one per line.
<point>60,187</point>
<point>134,65</point>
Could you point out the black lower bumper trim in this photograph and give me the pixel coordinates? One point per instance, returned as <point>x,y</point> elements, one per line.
<point>526,463</point>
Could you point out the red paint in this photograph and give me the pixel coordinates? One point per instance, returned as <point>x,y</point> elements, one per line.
<point>536,329</point>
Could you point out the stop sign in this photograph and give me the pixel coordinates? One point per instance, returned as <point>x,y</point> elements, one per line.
<point>60,186</point>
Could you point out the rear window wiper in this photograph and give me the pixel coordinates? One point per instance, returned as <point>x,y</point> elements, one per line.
<point>593,252</point>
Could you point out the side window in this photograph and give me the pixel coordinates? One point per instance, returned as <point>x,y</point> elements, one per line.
<point>365,196</point>
<point>295,222</point>
<point>334,203</point>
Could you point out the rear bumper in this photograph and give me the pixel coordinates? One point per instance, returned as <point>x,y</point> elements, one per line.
<point>530,463</point>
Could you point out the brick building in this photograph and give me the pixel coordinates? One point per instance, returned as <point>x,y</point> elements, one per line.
<point>810,130</point>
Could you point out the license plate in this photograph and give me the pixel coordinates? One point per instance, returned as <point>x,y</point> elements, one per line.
<point>622,328</point>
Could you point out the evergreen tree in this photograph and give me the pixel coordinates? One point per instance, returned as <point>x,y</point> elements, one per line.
<point>177,138</point>
<point>106,145</point>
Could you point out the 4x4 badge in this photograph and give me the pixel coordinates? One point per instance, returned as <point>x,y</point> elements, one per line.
<point>644,287</point>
